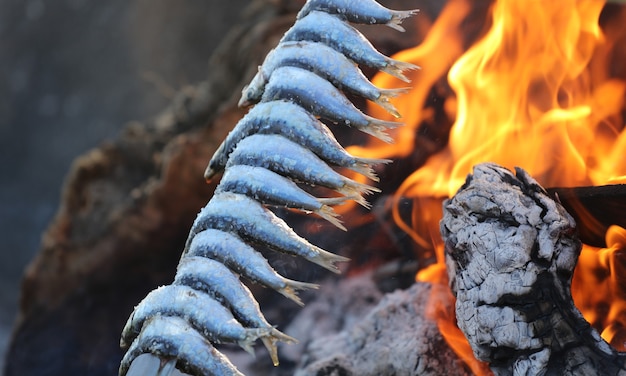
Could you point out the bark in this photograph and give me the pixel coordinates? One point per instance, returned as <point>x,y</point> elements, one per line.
<point>510,253</point>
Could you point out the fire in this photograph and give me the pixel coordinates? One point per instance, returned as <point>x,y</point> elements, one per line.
<point>537,90</point>
<point>603,269</point>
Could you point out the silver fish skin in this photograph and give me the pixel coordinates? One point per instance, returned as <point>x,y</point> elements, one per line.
<point>229,249</point>
<point>206,314</point>
<point>272,189</point>
<point>249,219</point>
<point>333,32</point>
<point>359,11</point>
<point>296,124</point>
<point>322,99</point>
<point>172,337</point>
<point>286,158</point>
<point>205,274</point>
<point>325,62</point>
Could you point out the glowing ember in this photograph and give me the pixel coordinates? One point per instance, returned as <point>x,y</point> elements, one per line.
<point>536,91</point>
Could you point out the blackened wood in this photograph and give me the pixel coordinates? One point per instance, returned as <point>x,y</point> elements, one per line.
<point>594,209</point>
<point>510,254</point>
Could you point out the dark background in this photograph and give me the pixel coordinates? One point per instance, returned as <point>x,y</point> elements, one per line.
<point>73,73</point>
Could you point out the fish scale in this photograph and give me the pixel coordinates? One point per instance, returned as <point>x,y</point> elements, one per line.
<point>276,149</point>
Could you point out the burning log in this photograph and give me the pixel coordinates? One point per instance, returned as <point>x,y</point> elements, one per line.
<point>595,209</point>
<point>510,254</point>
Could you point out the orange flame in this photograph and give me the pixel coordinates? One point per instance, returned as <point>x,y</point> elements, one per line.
<point>535,91</point>
<point>603,269</point>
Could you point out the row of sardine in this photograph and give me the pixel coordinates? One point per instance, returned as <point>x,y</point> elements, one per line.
<point>274,151</point>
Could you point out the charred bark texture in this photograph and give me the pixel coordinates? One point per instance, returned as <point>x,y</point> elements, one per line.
<point>510,253</point>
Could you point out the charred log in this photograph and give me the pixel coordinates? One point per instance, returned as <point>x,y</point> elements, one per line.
<point>594,209</point>
<point>510,253</point>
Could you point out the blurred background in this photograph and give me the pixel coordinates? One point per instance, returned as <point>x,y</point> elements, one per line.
<point>73,73</point>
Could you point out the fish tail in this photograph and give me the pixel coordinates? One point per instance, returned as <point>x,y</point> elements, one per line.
<point>292,286</point>
<point>398,16</point>
<point>364,166</point>
<point>252,334</point>
<point>386,95</point>
<point>377,128</point>
<point>332,201</point>
<point>355,191</point>
<point>330,215</point>
<point>247,343</point>
<point>397,68</point>
<point>270,343</point>
<point>327,260</point>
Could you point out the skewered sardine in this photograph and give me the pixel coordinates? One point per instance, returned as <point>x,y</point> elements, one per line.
<point>296,124</point>
<point>359,11</point>
<point>278,144</point>
<point>325,62</point>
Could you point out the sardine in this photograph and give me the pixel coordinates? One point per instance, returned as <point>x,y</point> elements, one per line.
<point>325,62</point>
<point>296,124</point>
<point>359,11</point>
<point>332,31</point>
<point>322,99</point>
<point>172,337</point>
<point>249,219</point>
<point>278,154</point>
<point>207,274</point>
<point>229,249</point>
<point>203,312</point>
<point>272,189</point>
<point>275,156</point>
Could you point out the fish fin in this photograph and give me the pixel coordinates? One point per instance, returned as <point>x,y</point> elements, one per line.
<point>270,343</point>
<point>355,191</point>
<point>377,128</point>
<point>397,68</point>
<point>330,215</point>
<point>327,260</point>
<point>364,166</point>
<point>332,201</point>
<point>247,346</point>
<point>252,334</point>
<point>398,16</point>
<point>289,291</point>
<point>386,95</point>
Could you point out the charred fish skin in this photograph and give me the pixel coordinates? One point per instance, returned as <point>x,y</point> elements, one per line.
<point>296,124</point>
<point>271,156</point>
<point>325,28</point>
<point>359,11</point>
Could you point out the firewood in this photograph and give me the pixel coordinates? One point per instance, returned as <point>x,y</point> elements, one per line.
<point>594,209</point>
<point>510,254</point>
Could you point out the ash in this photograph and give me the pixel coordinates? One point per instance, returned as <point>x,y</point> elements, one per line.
<point>352,328</point>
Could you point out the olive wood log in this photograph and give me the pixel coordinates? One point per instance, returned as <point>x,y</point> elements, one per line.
<point>510,253</point>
